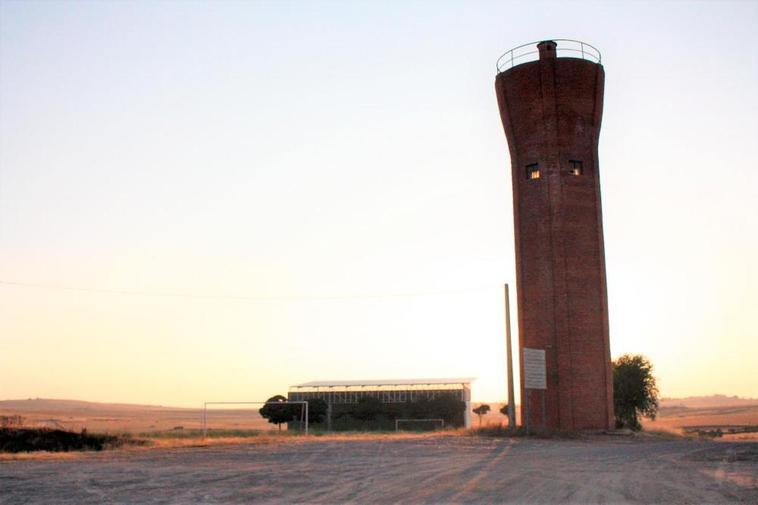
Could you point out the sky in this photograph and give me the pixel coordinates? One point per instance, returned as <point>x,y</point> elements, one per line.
<point>215,200</point>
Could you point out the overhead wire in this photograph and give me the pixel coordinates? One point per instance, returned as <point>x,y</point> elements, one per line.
<point>281,298</point>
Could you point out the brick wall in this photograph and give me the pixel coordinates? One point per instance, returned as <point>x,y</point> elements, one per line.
<point>551,111</point>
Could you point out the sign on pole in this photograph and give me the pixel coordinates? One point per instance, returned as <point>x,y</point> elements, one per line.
<point>535,376</point>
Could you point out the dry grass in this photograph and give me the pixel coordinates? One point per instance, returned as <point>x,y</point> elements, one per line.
<point>43,455</point>
<point>741,436</point>
<point>137,419</point>
<point>173,427</point>
<point>714,415</point>
<point>271,438</point>
<point>660,434</point>
<point>173,443</point>
<point>680,421</point>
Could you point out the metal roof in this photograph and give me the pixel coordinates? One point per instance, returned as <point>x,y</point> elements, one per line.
<point>385,382</point>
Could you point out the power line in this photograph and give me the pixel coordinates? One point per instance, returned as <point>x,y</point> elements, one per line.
<point>283,298</point>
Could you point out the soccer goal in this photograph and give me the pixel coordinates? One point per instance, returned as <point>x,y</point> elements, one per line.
<point>303,415</point>
<point>435,423</point>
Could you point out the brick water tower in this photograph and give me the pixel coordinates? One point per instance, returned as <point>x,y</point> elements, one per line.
<point>551,103</point>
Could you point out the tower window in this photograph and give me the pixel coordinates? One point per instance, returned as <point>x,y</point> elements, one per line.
<point>575,167</point>
<point>533,171</point>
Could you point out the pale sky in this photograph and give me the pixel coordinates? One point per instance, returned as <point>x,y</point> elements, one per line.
<point>249,195</point>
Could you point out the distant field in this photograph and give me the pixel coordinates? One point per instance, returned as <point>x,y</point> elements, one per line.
<point>675,415</point>
<point>677,419</point>
<point>680,420</point>
<point>116,418</point>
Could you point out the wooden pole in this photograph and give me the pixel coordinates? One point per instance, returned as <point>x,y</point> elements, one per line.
<point>509,362</point>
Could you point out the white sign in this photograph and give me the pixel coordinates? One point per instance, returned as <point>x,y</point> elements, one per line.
<point>535,376</point>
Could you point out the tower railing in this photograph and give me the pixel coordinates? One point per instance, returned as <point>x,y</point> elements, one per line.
<point>528,52</point>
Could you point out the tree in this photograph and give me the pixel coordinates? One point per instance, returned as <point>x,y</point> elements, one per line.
<point>316,410</point>
<point>394,411</point>
<point>448,407</point>
<point>504,411</point>
<point>635,392</point>
<point>481,410</point>
<point>367,408</point>
<point>279,414</point>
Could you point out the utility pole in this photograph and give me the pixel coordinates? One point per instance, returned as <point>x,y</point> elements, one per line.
<point>509,362</point>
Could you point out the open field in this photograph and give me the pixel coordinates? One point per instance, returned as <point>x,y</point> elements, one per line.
<point>688,419</point>
<point>676,415</point>
<point>405,469</point>
<point>681,416</point>
<point>75,415</point>
<point>707,413</point>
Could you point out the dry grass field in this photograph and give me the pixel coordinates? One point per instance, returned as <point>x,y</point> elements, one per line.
<point>675,416</point>
<point>682,416</point>
<point>682,421</point>
<point>689,415</point>
<point>124,418</point>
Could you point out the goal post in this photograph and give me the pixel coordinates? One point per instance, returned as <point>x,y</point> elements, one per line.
<point>303,411</point>
<point>398,421</point>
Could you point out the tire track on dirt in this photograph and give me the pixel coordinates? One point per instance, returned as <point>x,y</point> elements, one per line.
<point>437,470</point>
<point>474,481</point>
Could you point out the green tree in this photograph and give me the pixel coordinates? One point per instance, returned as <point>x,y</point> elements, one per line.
<point>480,411</point>
<point>635,392</point>
<point>420,409</point>
<point>279,414</point>
<point>316,410</point>
<point>394,411</point>
<point>367,408</point>
<point>504,409</point>
<point>448,407</point>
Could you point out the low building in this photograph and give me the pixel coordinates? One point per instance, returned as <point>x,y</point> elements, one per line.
<point>398,395</point>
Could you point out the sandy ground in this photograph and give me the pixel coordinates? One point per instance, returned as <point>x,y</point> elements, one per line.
<point>424,469</point>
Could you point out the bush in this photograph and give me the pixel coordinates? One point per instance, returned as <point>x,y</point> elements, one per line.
<point>635,392</point>
<point>371,414</point>
<point>44,439</point>
<point>447,407</point>
<point>367,408</point>
<point>317,410</point>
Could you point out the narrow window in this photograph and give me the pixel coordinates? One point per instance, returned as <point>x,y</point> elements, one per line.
<point>533,171</point>
<point>575,167</point>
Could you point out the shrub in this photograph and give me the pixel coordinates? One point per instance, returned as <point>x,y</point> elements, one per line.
<point>44,439</point>
<point>635,392</point>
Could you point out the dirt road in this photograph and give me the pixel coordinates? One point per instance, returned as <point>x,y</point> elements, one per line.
<point>441,469</point>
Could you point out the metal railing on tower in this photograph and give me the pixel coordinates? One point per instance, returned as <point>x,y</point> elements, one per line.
<point>528,52</point>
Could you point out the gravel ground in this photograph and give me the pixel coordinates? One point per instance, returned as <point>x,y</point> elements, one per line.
<point>443,469</point>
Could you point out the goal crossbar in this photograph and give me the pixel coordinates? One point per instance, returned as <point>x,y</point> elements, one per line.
<point>398,421</point>
<point>303,410</point>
